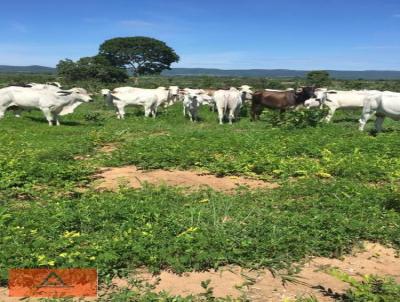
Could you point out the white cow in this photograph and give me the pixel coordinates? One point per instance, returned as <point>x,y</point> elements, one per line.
<point>230,101</point>
<point>17,110</point>
<point>206,97</point>
<point>335,99</point>
<point>192,101</point>
<point>130,96</point>
<point>51,103</point>
<point>385,104</point>
<point>167,97</point>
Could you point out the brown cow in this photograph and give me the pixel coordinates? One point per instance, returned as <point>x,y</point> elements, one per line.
<point>279,100</point>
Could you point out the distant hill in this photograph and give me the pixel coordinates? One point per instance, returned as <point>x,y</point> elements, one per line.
<point>270,73</point>
<point>282,73</point>
<point>26,69</point>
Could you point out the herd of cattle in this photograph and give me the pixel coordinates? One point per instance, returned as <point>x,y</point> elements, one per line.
<point>54,101</point>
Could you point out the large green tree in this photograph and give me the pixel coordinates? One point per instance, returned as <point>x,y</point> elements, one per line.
<point>87,68</point>
<point>320,78</point>
<point>142,55</point>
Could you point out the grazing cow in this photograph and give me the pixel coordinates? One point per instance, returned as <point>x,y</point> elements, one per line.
<point>17,110</point>
<point>192,101</point>
<point>335,99</point>
<point>51,103</point>
<point>129,96</point>
<point>384,104</point>
<point>166,97</point>
<point>279,100</point>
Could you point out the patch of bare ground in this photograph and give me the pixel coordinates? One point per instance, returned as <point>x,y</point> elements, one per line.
<point>261,285</point>
<point>108,148</point>
<point>110,178</point>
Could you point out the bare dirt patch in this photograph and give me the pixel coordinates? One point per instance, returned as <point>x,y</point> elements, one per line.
<point>108,148</point>
<point>262,286</point>
<point>110,178</point>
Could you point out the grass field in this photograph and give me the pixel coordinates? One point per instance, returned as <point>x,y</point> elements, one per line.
<point>338,187</point>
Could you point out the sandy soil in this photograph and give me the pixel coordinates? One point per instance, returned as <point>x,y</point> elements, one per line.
<point>110,178</point>
<point>263,286</point>
<point>108,148</point>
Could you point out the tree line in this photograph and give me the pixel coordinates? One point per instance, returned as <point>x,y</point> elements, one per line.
<point>119,58</point>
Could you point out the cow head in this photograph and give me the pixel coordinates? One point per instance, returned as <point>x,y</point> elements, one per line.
<point>173,92</point>
<point>105,92</point>
<point>246,91</point>
<point>78,94</point>
<point>304,93</point>
<point>312,103</point>
<point>321,95</point>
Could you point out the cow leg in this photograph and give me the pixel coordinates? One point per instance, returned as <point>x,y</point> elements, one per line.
<point>56,119</point>
<point>184,110</point>
<point>220,115</point>
<point>147,112</point>
<point>2,111</point>
<point>17,112</point>
<point>121,112</point>
<point>49,116</point>
<point>231,116</point>
<point>330,114</point>
<point>363,120</point>
<point>154,111</point>
<point>190,115</point>
<point>379,122</point>
<point>237,113</point>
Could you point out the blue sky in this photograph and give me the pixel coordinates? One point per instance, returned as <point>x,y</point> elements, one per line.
<point>308,34</point>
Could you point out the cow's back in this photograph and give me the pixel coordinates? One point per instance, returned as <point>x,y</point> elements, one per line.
<point>275,99</point>
<point>347,99</point>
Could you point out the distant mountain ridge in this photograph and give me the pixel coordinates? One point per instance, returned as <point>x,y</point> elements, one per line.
<point>26,69</point>
<point>270,73</point>
<point>283,73</point>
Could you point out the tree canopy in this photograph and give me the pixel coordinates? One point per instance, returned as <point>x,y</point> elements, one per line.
<point>97,67</point>
<point>142,55</point>
<point>319,78</point>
